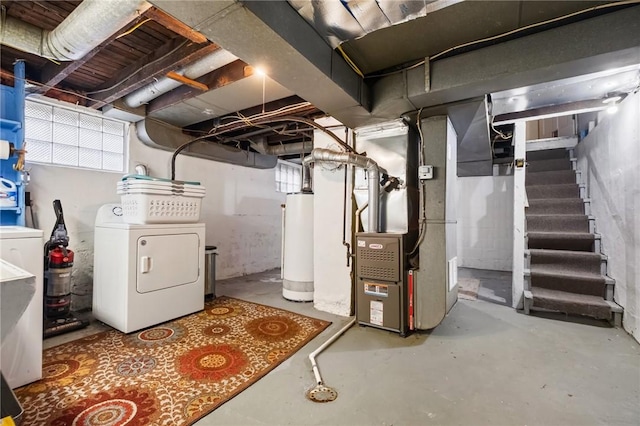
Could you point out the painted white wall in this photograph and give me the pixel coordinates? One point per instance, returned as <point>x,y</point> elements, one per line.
<point>485,222</point>
<point>241,210</point>
<point>609,159</point>
<point>519,219</point>
<point>332,282</point>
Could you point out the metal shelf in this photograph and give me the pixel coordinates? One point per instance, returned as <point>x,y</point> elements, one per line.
<point>11,125</point>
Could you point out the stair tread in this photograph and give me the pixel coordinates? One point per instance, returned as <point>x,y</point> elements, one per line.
<point>568,200</point>
<point>563,216</point>
<point>564,253</point>
<point>553,185</point>
<point>552,190</point>
<point>566,297</point>
<point>553,172</point>
<point>561,235</point>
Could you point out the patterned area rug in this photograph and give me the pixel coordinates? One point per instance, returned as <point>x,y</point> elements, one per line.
<point>172,374</point>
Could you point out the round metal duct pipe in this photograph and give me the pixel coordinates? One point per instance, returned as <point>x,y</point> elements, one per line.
<point>203,66</point>
<point>373,175</point>
<point>91,23</point>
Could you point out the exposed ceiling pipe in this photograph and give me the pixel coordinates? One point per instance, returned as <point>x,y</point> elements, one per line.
<point>160,135</point>
<point>284,149</point>
<point>373,175</point>
<point>213,61</point>
<point>91,23</point>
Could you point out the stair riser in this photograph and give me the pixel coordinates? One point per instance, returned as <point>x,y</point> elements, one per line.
<point>547,192</point>
<point>551,178</point>
<point>556,206</point>
<point>568,308</point>
<point>548,165</point>
<point>549,154</point>
<point>609,291</point>
<point>557,224</point>
<point>592,288</point>
<point>559,263</point>
<point>550,243</point>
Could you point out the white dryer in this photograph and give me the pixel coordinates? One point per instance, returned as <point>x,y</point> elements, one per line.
<point>21,353</point>
<point>144,275</point>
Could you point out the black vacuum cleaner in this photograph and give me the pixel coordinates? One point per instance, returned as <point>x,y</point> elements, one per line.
<point>58,264</point>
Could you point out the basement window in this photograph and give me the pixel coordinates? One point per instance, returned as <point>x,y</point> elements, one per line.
<point>288,177</point>
<point>74,137</point>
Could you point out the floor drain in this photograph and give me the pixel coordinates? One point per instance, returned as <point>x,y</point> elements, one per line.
<point>322,393</point>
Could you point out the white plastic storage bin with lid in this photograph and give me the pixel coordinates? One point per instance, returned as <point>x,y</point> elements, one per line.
<point>151,200</point>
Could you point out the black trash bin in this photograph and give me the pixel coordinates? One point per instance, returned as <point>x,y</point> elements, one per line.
<point>9,404</point>
<point>210,254</point>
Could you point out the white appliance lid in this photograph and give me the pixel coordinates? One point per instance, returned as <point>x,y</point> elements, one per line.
<point>132,226</point>
<point>7,232</point>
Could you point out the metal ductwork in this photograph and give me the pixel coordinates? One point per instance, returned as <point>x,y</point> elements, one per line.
<point>91,23</point>
<point>159,135</point>
<point>373,176</point>
<point>283,149</point>
<point>203,66</point>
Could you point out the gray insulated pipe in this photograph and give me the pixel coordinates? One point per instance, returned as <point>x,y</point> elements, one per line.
<point>91,23</point>
<point>320,155</point>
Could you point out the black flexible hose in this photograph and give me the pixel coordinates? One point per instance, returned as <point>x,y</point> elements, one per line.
<point>254,123</point>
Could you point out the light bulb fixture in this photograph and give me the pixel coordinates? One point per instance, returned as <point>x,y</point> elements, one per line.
<point>259,71</point>
<point>612,100</point>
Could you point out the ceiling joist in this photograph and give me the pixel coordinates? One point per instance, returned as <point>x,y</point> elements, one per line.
<point>227,74</point>
<point>174,25</point>
<point>52,73</point>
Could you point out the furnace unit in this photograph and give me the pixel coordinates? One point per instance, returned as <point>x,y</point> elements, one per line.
<point>381,293</point>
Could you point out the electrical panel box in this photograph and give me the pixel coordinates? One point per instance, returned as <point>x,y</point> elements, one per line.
<point>425,172</point>
<point>381,297</point>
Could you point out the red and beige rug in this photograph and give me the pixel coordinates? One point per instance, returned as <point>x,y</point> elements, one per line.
<point>172,374</point>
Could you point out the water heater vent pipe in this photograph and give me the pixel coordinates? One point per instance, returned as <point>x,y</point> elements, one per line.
<point>319,155</point>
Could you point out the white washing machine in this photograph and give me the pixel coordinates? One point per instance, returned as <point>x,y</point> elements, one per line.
<point>144,275</point>
<point>21,356</point>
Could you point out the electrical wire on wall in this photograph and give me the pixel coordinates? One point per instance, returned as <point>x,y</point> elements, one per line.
<point>421,162</point>
<point>252,121</point>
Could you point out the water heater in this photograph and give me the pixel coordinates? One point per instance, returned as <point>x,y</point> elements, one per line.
<point>297,284</point>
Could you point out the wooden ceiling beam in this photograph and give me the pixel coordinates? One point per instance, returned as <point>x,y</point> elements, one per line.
<point>227,74</point>
<point>174,25</point>
<point>169,57</point>
<point>53,73</point>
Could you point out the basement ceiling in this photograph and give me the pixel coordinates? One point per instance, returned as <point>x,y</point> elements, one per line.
<point>313,53</point>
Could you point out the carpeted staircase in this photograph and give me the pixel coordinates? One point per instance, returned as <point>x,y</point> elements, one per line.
<point>565,270</point>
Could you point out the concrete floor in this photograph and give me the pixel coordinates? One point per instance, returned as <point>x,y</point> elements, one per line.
<point>486,364</point>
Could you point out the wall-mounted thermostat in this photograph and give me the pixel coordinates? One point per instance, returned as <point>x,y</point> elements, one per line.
<point>425,172</point>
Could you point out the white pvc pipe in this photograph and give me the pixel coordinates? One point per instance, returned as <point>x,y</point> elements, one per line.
<point>283,206</point>
<point>314,354</point>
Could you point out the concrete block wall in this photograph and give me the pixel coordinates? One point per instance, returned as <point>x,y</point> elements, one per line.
<point>332,280</point>
<point>241,210</point>
<point>609,159</point>
<point>485,222</point>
